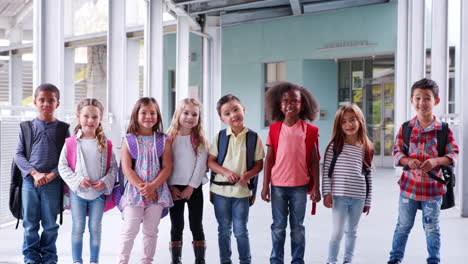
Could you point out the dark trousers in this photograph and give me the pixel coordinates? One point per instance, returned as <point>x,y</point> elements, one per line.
<point>195,208</point>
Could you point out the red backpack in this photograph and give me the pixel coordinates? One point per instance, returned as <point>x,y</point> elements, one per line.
<point>310,141</point>
<point>71,159</point>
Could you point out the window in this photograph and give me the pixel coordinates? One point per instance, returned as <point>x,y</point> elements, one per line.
<point>274,72</point>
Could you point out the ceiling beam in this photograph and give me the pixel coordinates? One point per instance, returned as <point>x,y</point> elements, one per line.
<point>340,4</point>
<point>26,10</point>
<point>296,7</point>
<point>218,5</point>
<point>179,11</point>
<point>246,16</point>
<point>246,5</point>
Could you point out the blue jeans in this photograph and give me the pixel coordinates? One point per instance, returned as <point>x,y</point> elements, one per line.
<point>284,201</point>
<point>406,214</point>
<point>346,213</point>
<point>40,207</point>
<point>79,208</point>
<point>229,211</point>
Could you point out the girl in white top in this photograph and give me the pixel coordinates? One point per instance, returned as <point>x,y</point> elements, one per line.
<point>89,179</point>
<point>190,152</point>
<point>347,186</point>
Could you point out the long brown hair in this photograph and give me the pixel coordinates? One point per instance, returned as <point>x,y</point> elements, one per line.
<point>197,135</point>
<point>338,135</point>
<point>101,138</point>
<point>133,126</point>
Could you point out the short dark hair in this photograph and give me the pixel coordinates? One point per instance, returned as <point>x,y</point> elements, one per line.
<point>224,99</point>
<point>47,87</point>
<point>426,84</point>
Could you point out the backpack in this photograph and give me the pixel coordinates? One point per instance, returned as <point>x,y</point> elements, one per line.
<point>448,175</point>
<point>251,144</point>
<point>132,143</point>
<point>71,159</point>
<point>15,200</point>
<point>310,141</point>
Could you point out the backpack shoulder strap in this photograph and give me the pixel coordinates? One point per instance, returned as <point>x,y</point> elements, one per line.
<point>251,144</point>
<point>442,136</point>
<point>274,133</point>
<point>70,144</point>
<point>223,143</point>
<point>160,140</point>
<point>332,164</point>
<point>132,146</point>
<point>61,134</point>
<point>406,136</point>
<point>28,139</point>
<point>109,154</point>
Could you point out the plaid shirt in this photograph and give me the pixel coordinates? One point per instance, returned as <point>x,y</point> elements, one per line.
<point>416,184</point>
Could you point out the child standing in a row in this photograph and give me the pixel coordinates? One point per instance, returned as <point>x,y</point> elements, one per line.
<point>235,156</point>
<point>347,178</point>
<point>189,152</point>
<point>291,165</point>
<point>146,194</point>
<point>85,168</point>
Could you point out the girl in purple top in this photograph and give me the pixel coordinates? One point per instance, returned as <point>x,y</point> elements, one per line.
<point>146,194</point>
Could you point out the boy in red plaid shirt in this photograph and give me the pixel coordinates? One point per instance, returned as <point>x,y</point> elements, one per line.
<point>418,189</point>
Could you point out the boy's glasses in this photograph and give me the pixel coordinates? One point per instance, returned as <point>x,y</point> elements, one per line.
<point>291,102</point>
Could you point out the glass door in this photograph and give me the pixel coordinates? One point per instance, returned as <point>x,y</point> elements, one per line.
<point>380,122</point>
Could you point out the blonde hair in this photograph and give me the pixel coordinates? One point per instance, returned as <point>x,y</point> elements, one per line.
<point>197,134</point>
<point>101,138</point>
<point>338,135</point>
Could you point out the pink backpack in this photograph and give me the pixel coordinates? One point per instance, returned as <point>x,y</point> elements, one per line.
<point>71,159</point>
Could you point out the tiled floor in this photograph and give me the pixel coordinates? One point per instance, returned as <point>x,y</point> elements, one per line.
<point>374,235</point>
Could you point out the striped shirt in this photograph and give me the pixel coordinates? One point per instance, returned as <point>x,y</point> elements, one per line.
<point>347,179</point>
<point>415,184</point>
<point>44,153</point>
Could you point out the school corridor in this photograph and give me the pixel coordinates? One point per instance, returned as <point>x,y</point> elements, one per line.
<point>374,235</point>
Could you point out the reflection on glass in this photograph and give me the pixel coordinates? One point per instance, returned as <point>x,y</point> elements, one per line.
<point>27,79</point>
<point>89,16</point>
<point>91,73</point>
<point>388,118</point>
<point>4,82</point>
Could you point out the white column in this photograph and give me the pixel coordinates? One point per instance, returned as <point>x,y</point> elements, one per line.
<point>116,67</point>
<point>213,92</point>
<point>68,101</point>
<point>15,72</point>
<point>182,58</point>
<point>463,144</point>
<point>401,89</point>
<point>418,52</point>
<point>48,48</point>
<point>439,52</point>
<point>154,51</point>
<point>15,79</point>
<point>133,76</point>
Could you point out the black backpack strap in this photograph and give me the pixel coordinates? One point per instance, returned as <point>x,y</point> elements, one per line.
<point>251,144</point>
<point>223,143</point>
<point>61,134</point>
<point>442,136</point>
<point>332,164</point>
<point>407,129</point>
<point>28,139</point>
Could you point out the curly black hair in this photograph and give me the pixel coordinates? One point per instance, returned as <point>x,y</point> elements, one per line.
<point>273,102</point>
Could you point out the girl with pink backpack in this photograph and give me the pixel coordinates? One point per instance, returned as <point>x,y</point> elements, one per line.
<point>88,167</point>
